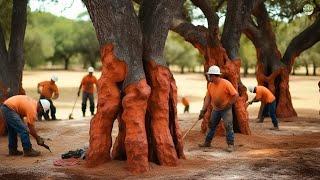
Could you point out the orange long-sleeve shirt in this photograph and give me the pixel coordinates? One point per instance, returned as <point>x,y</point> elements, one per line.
<point>24,106</point>
<point>264,95</point>
<point>48,88</point>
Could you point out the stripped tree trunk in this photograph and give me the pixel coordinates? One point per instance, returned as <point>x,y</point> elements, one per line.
<point>135,86</point>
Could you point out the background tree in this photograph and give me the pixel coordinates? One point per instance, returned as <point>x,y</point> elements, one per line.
<point>247,54</point>
<point>11,46</point>
<point>178,52</point>
<point>272,69</point>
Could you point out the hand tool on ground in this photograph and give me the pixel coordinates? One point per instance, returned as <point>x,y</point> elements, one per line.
<point>45,146</point>
<point>70,115</point>
<point>194,124</point>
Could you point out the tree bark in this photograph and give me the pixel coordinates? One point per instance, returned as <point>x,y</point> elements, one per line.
<point>132,50</point>
<point>11,59</point>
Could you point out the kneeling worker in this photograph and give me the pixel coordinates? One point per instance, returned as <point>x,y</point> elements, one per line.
<point>222,95</point>
<point>13,110</point>
<point>264,95</point>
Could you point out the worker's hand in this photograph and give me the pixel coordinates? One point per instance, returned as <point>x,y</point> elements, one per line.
<point>78,93</point>
<point>40,140</point>
<point>201,115</point>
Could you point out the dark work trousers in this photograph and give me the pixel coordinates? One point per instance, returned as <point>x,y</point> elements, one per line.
<point>85,97</point>
<point>46,114</point>
<point>271,108</point>
<point>226,115</point>
<point>15,126</point>
<point>186,108</point>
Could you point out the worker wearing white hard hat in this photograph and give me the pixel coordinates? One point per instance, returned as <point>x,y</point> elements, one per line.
<point>48,90</point>
<point>87,86</point>
<point>222,95</point>
<point>268,100</point>
<point>14,110</point>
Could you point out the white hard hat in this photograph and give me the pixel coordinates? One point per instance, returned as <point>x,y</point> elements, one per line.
<point>251,89</point>
<point>45,104</point>
<point>90,69</point>
<point>54,78</point>
<point>214,70</point>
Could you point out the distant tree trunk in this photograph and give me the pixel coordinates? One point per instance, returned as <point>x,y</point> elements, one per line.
<point>135,87</point>
<point>314,67</point>
<point>182,69</point>
<point>245,69</point>
<point>293,71</point>
<point>11,59</point>
<point>66,63</point>
<point>306,65</point>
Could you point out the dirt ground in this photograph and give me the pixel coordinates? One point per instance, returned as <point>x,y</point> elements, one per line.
<point>291,153</point>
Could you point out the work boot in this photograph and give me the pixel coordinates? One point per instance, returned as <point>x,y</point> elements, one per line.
<point>275,128</point>
<point>31,153</point>
<point>15,152</point>
<point>230,148</point>
<point>205,144</point>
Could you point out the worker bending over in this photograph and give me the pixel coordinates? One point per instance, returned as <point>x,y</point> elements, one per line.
<point>14,110</point>
<point>48,90</point>
<point>186,104</point>
<point>264,95</point>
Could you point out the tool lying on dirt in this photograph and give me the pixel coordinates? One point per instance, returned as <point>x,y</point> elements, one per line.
<point>45,146</point>
<point>194,124</point>
<point>70,115</point>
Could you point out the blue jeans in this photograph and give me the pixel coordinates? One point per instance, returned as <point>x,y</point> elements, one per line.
<point>15,125</point>
<point>227,117</point>
<point>272,113</point>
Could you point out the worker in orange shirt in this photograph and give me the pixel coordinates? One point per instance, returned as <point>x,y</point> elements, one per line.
<point>264,95</point>
<point>48,90</point>
<point>14,110</point>
<point>87,86</point>
<point>186,104</point>
<point>222,95</point>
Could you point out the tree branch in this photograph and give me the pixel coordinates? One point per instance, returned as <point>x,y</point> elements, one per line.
<point>220,3</point>
<point>196,35</point>
<point>211,16</point>
<point>238,14</point>
<point>251,30</point>
<point>303,41</point>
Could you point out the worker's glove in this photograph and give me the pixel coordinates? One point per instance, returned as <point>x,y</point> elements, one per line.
<point>40,140</point>
<point>78,93</point>
<point>201,115</point>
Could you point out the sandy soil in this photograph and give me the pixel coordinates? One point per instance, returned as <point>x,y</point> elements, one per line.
<point>292,153</point>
